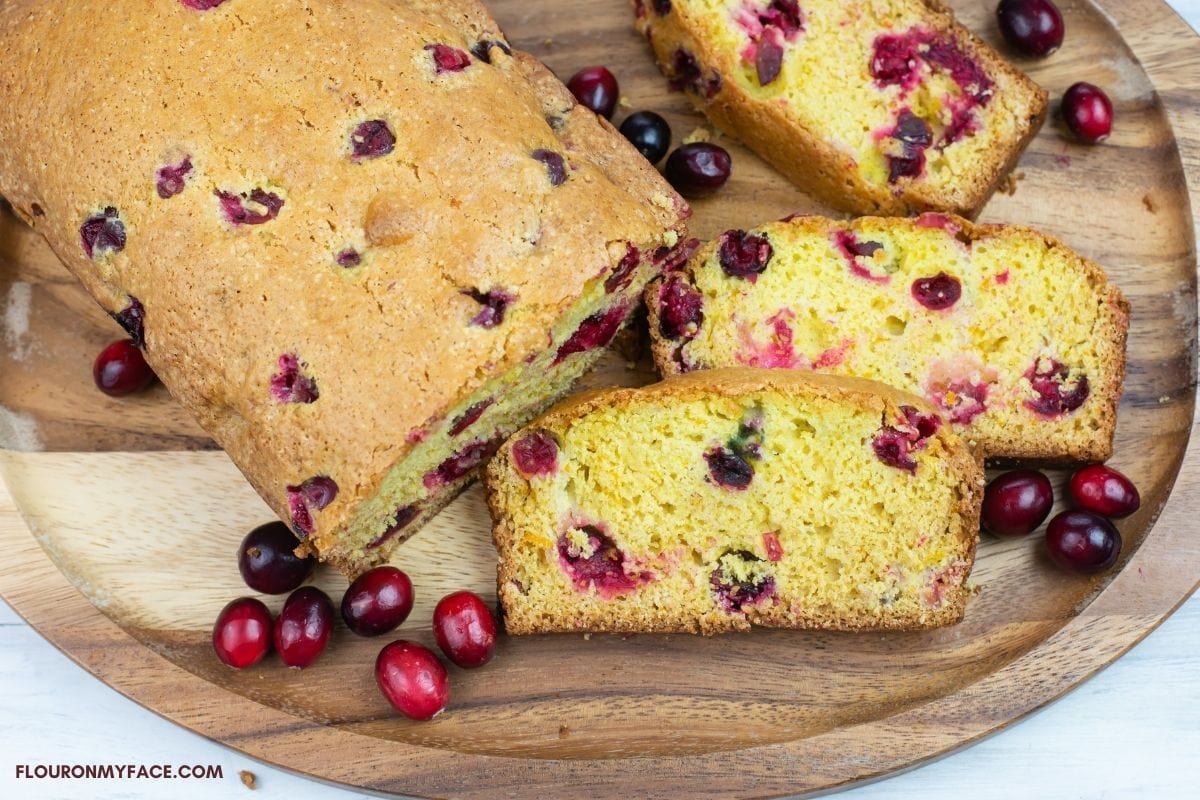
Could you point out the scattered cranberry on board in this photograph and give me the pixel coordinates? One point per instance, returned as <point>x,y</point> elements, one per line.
<point>1017,502</point>
<point>268,562</point>
<point>1088,112</point>
<point>412,679</point>
<point>596,88</point>
<point>303,627</point>
<point>378,601</point>
<point>465,629</point>
<point>1104,490</point>
<point>242,633</point>
<point>649,133</point>
<point>121,369</point>
<point>1031,27</point>
<point>698,169</point>
<point>1081,541</point>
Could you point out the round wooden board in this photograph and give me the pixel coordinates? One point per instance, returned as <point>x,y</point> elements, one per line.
<point>119,521</point>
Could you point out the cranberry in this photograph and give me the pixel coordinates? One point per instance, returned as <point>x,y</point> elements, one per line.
<point>303,627</point>
<point>121,369</point>
<point>681,309</point>
<point>649,133</point>
<point>202,5</point>
<point>729,468</point>
<point>378,601</point>
<point>289,385</point>
<point>622,274</point>
<point>661,7</point>
<point>1103,490</point>
<point>372,139</point>
<point>102,234</point>
<point>404,517</point>
<point>895,444</point>
<point>598,563</point>
<point>470,416</point>
<point>744,255</point>
<point>447,58</point>
<point>1017,502</point>
<point>483,49</point>
<point>133,320</point>
<point>535,454</point>
<point>734,595</point>
<point>171,179</point>
<point>1056,393</point>
<point>556,166</point>
<point>938,293</point>
<point>494,303</point>
<point>915,138</point>
<point>242,634</point>
<point>460,464</point>
<point>768,60</point>
<point>313,494</point>
<point>594,332</point>
<point>1088,112</point>
<point>249,208</point>
<point>1083,541</point>
<point>349,258</point>
<point>685,73</point>
<point>412,679</point>
<point>1031,27</point>
<point>465,629</point>
<point>596,88</point>
<point>894,60</point>
<point>268,562</point>
<point>698,169</point>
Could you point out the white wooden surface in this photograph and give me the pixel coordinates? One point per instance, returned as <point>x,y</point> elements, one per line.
<point>1133,731</point>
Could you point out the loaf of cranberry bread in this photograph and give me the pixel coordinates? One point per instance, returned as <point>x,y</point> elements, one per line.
<point>360,241</point>
<point>726,498</point>
<point>871,106</point>
<point>1015,339</point>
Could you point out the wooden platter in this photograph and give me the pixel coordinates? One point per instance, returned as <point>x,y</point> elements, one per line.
<point>119,520</point>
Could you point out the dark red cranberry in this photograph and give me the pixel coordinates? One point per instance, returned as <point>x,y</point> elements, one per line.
<point>962,400</point>
<point>268,562</point>
<point>598,564</point>
<point>494,302</point>
<point>1082,541</point>
<point>894,60</point>
<point>313,494</point>
<point>622,274</point>
<point>372,139</point>
<point>288,385</point>
<point>483,49</point>
<point>915,137</point>
<point>202,5</point>
<point>303,627</point>
<point>895,443</point>
<point>744,255</point>
<point>768,60</point>
<point>938,293</point>
<point>535,454</point>
<point>378,601</point>
<point>596,88</point>
<point>465,629</point>
<point>680,309</point>
<point>412,679</point>
<point>1088,112</point>
<point>698,169</point>
<point>133,320</point>
<point>249,208</point>
<point>470,416</point>
<point>649,133</point>
<point>556,167</point>
<point>729,468</point>
<point>404,517</point>
<point>460,464</point>
<point>1017,502</point>
<point>685,73</point>
<point>784,15</point>
<point>661,7</point>
<point>1031,27</point>
<point>171,179</point>
<point>669,259</point>
<point>447,58</point>
<point>102,234</point>
<point>594,332</point>
<point>349,258</point>
<point>1057,394</point>
<point>121,369</point>
<point>242,633</point>
<point>1103,490</point>
<point>734,595</point>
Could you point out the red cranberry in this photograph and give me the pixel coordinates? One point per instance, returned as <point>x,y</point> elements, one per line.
<point>1057,393</point>
<point>133,320</point>
<point>734,595</point>
<point>102,233</point>
<point>412,679</point>
<point>242,634</point>
<point>372,139</point>
<point>744,255</point>
<point>494,303</point>
<point>465,629</point>
<point>685,73</point>
<point>447,58</point>
<point>121,369</point>
<point>483,49</point>
<point>1017,502</point>
<point>895,444</point>
<point>1031,27</point>
<point>460,464</point>
<point>1083,541</point>
<point>404,517</point>
<point>313,494</point>
<point>915,138</point>
<point>289,385</point>
<point>303,627</point>
<point>268,561</point>
<point>681,309</point>
<point>768,60</point>
<point>535,454</point>
<point>556,166</point>
<point>600,564</point>
<point>249,208</point>
<point>938,293</point>
<point>378,601</point>
<point>622,274</point>
<point>171,179</point>
<point>649,133</point>
<point>596,88</point>
<point>1103,490</point>
<point>594,332</point>
<point>470,416</point>
<point>729,468</point>
<point>1088,112</point>
<point>202,5</point>
<point>349,258</point>
<point>698,169</point>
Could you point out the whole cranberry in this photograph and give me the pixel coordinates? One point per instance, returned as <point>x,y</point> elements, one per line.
<point>412,679</point>
<point>596,88</point>
<point>121,369</point>
<point>268,561</point>
<point>242,634</point>
<point>1088,112</point>
<point>698,169</point>
<point>377,601</point>
<point>1105,491</point>
<point>1017,502</point>
<point>649,133</point>
<point>465,629</point>
<point>1031,27</point>
<point>1082,541</point>
<point>303,627</point>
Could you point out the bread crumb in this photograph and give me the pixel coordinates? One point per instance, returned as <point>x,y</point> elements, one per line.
<point>623,102</point>
<point>248,779</point>
<point>563,731</point>
<point>587,637</point>
<point>1149,203</point>
<point>1166,398</point>
<point>1008,186</point>
<point>16,319</point>
<point>698,135</point>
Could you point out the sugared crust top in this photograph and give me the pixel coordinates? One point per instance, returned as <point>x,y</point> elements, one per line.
<point>269,95</point>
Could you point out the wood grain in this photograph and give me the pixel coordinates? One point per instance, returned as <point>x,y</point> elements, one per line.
<point>119,522</point>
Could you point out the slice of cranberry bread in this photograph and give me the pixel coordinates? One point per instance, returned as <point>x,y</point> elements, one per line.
<point>733,497</point>
<point>361,242</point>
<point>871,106</point>
<point>1016,340</point>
